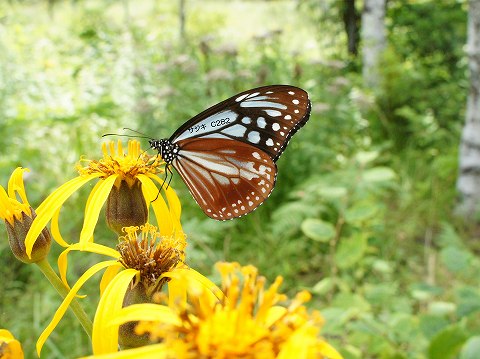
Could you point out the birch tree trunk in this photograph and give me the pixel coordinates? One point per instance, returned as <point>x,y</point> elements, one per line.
<point>373,39</point>
<point>468,183</point>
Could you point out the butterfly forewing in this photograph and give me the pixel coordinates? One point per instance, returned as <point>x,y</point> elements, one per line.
<point>227,180</point>
<point>264,118</point>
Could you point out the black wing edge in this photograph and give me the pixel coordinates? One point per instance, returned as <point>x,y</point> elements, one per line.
<point>295,128</point>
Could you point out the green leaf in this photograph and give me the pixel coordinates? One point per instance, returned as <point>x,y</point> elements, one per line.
<point>455,259</point>
<point>364,157</point>
<point>350,251</point>
<point>430,324</point>
<point>382,266</point>
<point>447,343</point>
<point>378,174</point>
<point>471,349</point>
<point>441,308</point>
<point>318,230</point>
<point>468,299</point>
<point>332,192</point>
<point>360,212</point>
<point>324,286</point>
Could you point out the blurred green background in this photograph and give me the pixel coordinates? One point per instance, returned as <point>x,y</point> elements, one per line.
<point>362,211</point>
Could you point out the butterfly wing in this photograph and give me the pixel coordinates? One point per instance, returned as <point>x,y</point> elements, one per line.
<point>227,178</point>
<point>265,118</point>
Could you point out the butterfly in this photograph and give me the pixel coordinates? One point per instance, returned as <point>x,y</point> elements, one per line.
<point>226,155</point>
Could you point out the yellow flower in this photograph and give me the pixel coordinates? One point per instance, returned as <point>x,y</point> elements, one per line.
<point>246,323</point>
<point>18,217</point>
<point>149,261</point>
<point>126,184</point>
<point>10,348</point>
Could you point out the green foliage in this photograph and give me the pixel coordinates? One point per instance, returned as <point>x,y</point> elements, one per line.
<point>361,214</point>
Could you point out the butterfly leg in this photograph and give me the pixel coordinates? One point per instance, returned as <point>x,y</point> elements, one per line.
<point>168,171</point>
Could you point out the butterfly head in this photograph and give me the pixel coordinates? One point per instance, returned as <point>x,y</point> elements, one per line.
<point>166,149</point>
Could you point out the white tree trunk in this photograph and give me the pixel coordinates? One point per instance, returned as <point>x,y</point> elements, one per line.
<point>373,40</point>
<point>468,183</point>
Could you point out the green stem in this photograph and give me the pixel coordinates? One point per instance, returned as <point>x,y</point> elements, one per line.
<point>57,283</point>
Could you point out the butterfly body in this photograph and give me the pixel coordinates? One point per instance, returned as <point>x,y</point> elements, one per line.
<point>226,155</point>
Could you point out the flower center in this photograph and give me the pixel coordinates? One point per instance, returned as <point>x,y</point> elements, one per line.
<point>150,254</point>
<point>115,161</point>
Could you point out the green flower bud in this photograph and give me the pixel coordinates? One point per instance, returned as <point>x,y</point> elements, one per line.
<point>16,237</point>
<point>126,206</point>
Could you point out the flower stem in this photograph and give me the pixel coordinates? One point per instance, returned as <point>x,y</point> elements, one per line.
<point>57,283</point>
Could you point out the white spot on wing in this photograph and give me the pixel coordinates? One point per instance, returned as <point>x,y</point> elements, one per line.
<point>261,122</point>
<point>246,120</point>
<point>288,117</point>
<point>240,98</point>
<point>296,102</point>
<point>273,113</point>
<point>254,94</point>
<point>250,103</point>
<point>221,179</point>
<point>236,130</point>
<point>275,127</point>
<point>269,142</point>
<point>254,137</point>
<point>256,155</point>
<point>291,93</point>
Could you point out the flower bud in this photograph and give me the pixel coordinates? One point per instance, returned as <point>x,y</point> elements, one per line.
<point>126,206</point>
<point>10,348</point>
<point>127,338</point>
<point>16,237</point>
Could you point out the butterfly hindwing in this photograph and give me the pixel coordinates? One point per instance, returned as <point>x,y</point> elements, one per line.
<point>226,180</point>
<point>265,117</point>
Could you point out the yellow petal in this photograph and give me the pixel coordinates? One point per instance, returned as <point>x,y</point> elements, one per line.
<point>66,302</point>
<point>194,277</point>
<point>87,247</point>
<point>329,352</point>
<point>177,292</point>
<point>156,351</point>
<point>4,204</point>
<point>55,229</point>
<point>172,198</point>
<point>160,208</point>
<point>107,277</point>
<point>15,184</point>
<point>173,204</point>
<point>147,312</point>
<point>274,314</point>
<point>5,334</point>
<point>105,335</point>
<point>9,346</point>
<point>51,204</point>
<point>95,202</point>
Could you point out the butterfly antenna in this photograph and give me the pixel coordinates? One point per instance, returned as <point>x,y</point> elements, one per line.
<point>138,134</point>
<point>142,135</point>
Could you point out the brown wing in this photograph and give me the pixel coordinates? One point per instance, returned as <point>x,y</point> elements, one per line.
<point>227,178</point>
